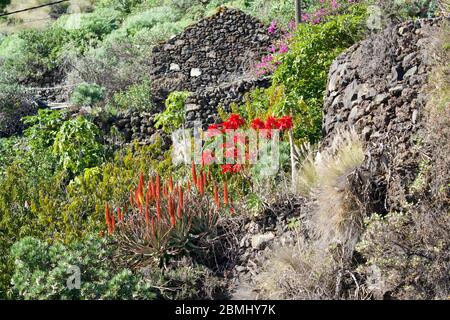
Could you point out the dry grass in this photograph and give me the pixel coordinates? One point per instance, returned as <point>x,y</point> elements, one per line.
<point>34,19</point>
<point>324,177</point>
<point>319,265</point>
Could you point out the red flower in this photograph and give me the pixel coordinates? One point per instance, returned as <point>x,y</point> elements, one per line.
<point>257,124</point>
<point>234,122</point>
<point>237,168</point>
<point>227,168</point>
<point>285,123</point>
<point>215,130</point>
<point>231,168</point>
<point>271,123</point>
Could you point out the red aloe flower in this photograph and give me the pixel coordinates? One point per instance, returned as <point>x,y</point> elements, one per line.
<point>107,215</point>
<point>234,122</point>
<point>171,210</point>
<point>131,198</point>
<point>158,208</point>
<point>271,123</point>
<point>285,123</point>
<point>113,223</point>
<point>158,187</point>
<point>216,195</point>
<point>170,184</point>
<point>180,202</point>
<point>257,124</point>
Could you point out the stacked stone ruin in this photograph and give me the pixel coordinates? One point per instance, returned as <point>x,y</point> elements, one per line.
<point>214,60</point>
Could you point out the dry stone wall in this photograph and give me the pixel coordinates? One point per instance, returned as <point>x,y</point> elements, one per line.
<point>377,87</point>
<point>214,60</point>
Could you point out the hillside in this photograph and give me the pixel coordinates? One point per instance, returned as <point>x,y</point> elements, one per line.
<point>213,149</point>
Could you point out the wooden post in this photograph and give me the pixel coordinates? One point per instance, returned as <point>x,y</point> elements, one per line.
<point>293,165</point>
<point>298,11</point>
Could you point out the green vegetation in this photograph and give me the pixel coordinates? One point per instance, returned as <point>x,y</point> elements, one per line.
<point>173,116</point>
<point>68,195</point>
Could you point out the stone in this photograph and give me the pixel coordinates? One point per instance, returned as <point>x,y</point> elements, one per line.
<point>350,94</point>
<point>192,107</point>
<point>411,72</point>
<point>380,98</point>
<point>196,72</point>
<point>174,67</point>
<point>259,241</point>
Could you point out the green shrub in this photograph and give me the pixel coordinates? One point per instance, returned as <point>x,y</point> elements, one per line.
<point>42,272</point>
<point>137,97</point>
<point>173,117</point>
<point>89,29</point>
<point>87,94</point>
<point>303,71</point>
<point>150,18</point>
<point>40,51</point>
<point>77,145</point>
<point>42,128</point>
<point>407,255</point>
<point>160,32</point>
<point>125,6</point>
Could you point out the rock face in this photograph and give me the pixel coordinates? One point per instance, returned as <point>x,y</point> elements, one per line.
<point>213,59</point>
<point>377,87</point>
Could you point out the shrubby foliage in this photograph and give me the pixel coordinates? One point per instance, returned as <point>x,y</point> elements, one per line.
<point>77,145</point>
<point>173,116</point>
<point>42,272</point>
<point>87,94</point>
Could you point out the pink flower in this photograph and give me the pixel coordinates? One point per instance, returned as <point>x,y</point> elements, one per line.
<point>305,17</point>
<point>334,4</point>
<point>284,48</point>
<point>273,27</point>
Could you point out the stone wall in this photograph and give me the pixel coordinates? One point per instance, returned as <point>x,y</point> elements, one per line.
<point>213,59</point>
<point>377,86</point>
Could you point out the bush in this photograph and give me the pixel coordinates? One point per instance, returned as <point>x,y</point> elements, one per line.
<point>89,29</point>
<point>150,18</point>
<point>304,69</point>
<point>137,97</point>
<point>43,271</point>
<point>87,94</point>
<point>40,53</point>
<point>407,255</point>
<point>173,117</point>
<point>115,66</point>
<point>77,145</point>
